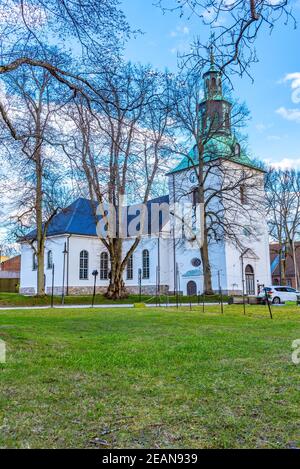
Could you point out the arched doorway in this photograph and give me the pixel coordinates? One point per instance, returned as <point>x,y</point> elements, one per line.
<point>191,288</point>
<point>250,284</point>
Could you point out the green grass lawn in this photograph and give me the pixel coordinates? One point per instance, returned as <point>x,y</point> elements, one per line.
<point>15,299</point>
<point>146,378</point>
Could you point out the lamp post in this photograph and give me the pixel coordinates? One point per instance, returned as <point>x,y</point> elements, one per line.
<point>140,285</point>
<point>295,266</point>
<point>220,291</point>
<point>95,273</point>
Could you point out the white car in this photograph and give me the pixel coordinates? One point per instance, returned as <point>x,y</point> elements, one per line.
<point>281,293</point>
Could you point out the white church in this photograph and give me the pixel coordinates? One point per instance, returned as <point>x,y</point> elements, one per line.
<point>161,262</point>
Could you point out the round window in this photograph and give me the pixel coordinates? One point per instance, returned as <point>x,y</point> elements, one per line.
<point>196,262</point>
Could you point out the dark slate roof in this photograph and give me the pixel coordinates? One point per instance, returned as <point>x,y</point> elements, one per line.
<point>79,218</point>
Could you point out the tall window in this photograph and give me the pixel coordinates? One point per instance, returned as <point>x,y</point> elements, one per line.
<point>243,195</point>
<point>250,285</point>
<point>49,260</point>
<point>34,261</point>
<point>146,264</point>
<point>104,266</point>
<point>84,265</point>
<point>130,268</point>
<point>216,121</point>
<point>213,84</point>
<point>227,120</point>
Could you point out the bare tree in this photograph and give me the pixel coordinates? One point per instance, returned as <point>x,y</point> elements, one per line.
<point>35,186</point>
<point>235,26</point>
<point>283,206</point>
<point>121,151</point>
<point>92,33</point>
<point>227,185</point>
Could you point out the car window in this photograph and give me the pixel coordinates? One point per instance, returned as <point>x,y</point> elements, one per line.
<point>291,290</point>
<point>281,289</point>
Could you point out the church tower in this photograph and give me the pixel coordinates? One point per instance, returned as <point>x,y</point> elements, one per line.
<point>215,110</point>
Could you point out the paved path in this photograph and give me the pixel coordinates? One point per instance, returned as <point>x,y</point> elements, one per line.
<point>20,308</point>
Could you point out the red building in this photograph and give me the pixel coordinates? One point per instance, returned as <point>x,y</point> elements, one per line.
<point>276,265</point>
<point>11,265</point>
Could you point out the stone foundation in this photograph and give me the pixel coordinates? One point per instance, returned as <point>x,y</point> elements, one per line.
<point>78,291</point>
<point>147,290</point>
<point>29,291</point>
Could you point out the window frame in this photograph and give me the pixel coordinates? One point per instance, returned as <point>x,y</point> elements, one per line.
<point>49,265</point>
<point>146,264</point>
<point>129,268</point>
<point>34,262</point>
<point>104,268</point>
<point>84,265</point>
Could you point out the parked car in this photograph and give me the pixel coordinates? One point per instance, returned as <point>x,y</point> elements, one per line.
<point>280,294</point>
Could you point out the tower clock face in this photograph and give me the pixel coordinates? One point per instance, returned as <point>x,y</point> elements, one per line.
<point>193,177</point>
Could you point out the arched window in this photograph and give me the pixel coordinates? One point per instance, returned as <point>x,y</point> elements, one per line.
<point>227,120</point>
<point>104,266</point>
<point>146,264</point>
<point>84,265</point>
<point>130,268</point>
<point>237,149</point>
<point>250,286</point>
<point>49,260</point>
<point>34,261</point>
<point>213,84</point>
<point>207,86</point>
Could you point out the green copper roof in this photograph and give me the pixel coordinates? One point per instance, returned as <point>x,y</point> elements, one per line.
<point>192,273</point>
<point>221,146</point>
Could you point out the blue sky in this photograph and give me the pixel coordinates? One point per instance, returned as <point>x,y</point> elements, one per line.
<point>274,97</point>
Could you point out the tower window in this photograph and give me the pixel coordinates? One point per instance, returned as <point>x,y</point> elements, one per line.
<point>104,266</point>
<point>84,265</point>
<point>227,120</point>
<point>237,149</point>
<point>243,196</point>
<point>146,264</point>
<point>207,86</point>
<point>213,84</point>
<point>216,120</point>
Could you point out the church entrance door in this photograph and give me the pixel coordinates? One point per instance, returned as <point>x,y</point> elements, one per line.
<point>191,288</point>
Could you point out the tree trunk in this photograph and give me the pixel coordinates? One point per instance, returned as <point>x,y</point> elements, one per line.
<point>40,239</point>
<point>204,248</point>
<point>116,289</point>
<point>206,266</point>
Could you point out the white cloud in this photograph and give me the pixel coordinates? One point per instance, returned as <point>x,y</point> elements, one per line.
<point>294,78</point>
<point>273,137</point>
<point>285,163</point>
<point>180,31</point>
<point>263,127</point>
<point>289,114</point>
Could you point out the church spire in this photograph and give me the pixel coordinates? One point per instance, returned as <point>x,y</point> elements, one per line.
<point>215,109</point>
